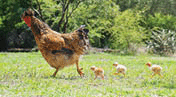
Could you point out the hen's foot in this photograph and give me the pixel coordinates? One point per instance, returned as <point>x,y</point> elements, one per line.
<point>80,72</point>
<point>53,76</point>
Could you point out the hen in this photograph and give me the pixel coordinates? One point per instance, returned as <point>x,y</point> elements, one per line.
<point>59,50</point>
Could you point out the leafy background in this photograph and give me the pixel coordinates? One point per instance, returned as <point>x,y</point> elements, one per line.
<point>126,25</point>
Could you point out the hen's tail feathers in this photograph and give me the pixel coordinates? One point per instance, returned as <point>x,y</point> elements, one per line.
<point>82,26</point>
<point>81,29</point>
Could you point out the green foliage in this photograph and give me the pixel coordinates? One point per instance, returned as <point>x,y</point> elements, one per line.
<point>116,24</point>
<point>49,7</point>
<point>127,4</point>
<point>162,21</point>
<point>10,12</point>
<point>153,6</point>
<point>95,17</point>
<point>126,30</point>
<point>28,74</point>
<point>163,42</point>
<point>108,26</point>
<point>98,18</point>
<point>0,21</point>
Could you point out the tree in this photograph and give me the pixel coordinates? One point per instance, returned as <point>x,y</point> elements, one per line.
<point>67,12</point>
<point>98,16</point>
<point>63,10</point>
<point>161,6</point>
<point>10,11</point>
<point>11,24</point>
<point>126,30</point>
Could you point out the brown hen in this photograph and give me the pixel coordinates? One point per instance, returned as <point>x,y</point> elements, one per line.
<point>59,50</point>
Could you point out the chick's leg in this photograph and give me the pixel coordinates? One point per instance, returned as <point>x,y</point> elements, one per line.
<point>153,75</point>
<point>79,70</point>
<point>123,74</point>
<point>95,77</point>
<point>117,73</point>
<point>102,76</point>
<point>160,74</point>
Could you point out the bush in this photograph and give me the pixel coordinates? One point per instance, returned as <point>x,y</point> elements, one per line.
<point>163,42</point>
<point>127,30</point>
<point>98,18</point>
<point>161,21</point>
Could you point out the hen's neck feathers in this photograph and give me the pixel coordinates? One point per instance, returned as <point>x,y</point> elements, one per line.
<point>37,26</point>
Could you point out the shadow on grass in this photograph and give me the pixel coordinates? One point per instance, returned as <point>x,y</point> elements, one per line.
<point>65,78</point>
<point>170,86</point>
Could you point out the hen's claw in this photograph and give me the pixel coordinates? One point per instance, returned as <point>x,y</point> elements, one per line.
<point>52,76</point>
<point>80,72</point>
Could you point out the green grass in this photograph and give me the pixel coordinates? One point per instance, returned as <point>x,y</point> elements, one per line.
<point>28,74</point>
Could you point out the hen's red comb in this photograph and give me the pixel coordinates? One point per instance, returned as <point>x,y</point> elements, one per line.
<point>28,21</point>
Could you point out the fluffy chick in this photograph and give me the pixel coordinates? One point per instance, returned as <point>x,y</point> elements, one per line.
<point>98,72</point>
<point>120,69</point>
<point>156,69</point>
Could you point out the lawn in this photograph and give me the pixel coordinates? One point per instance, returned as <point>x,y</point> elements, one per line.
<point>28,74</point>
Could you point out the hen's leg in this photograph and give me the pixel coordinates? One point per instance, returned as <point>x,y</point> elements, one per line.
<point>79,69</point>
<point>54,74</point>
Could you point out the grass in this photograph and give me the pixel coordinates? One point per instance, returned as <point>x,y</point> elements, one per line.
<point>28,74</point>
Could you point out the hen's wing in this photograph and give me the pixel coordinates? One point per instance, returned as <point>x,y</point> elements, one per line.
<point>52,42</point>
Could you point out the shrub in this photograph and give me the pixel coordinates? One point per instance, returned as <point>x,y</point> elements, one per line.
<point>163,42</point>
<point>161,21</point>
<point>127,30</point>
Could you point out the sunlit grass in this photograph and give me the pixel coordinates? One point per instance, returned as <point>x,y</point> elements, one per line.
<point>28,74</point>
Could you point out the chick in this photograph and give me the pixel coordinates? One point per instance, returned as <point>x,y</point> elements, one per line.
<point>120,69</point>
<point>98,72</point>
<point>156,69</point>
